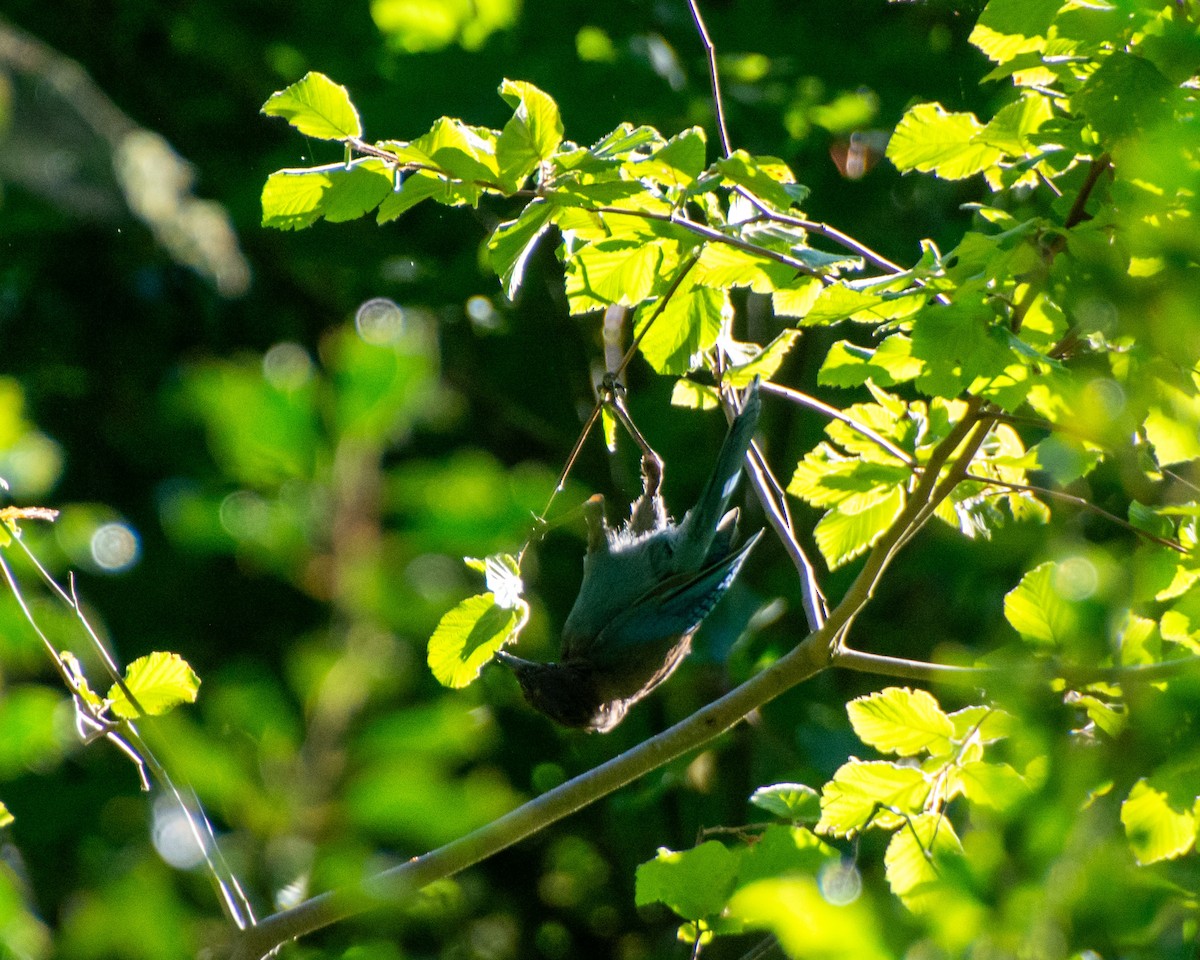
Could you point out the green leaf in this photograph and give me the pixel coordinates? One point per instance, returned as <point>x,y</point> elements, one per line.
<point>694,396</point>
<point>917,858</point>
<point>1037,611</point>
<point>1181,623</point>
<point>317,107</point>
<point>854,525</point>
<point>768,178</point>
<point>1010,129</point>
<point>807,925</point>
<point>1173,425</point>
<point>695,883</point>
<point>797,298</point>
<point>901,721</point>
<point>468,636</point>
<point>6,818</point>
<point>783,850</point>
<point>1008,28</point>
<point>849,365</point>
<point>617,271</point>
<point>824,478</point>
<point>994,785</point>
<point>1125,97</point>
<point>159,682</point>
<point>677,164</point>
<point>790,801</point>
<point>721,265</point>
<point>1159,817</point>
<point>419,186</point>
<point>984,724</point>
<point>292,199</point>
<point>870,792</point>
<point>687,328</point>
<point>531,136</point>
<point>512,243</point>
<point>933,141</point>
<point>958,343</point>
<point>766,363</point>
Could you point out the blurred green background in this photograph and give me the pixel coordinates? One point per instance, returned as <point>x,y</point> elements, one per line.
<point>268,470</point>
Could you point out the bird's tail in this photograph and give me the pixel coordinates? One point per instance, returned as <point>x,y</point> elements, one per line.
<point>700,525</point>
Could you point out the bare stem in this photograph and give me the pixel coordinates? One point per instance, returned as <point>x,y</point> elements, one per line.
<point>1084,504</point>
<point>710,52</point>
<point>812,403</point>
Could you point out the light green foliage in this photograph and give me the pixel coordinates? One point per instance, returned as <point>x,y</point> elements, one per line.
<point>157,683</point>
<point>469,635</point>
<point>701,884</point>
<point>317,107</point>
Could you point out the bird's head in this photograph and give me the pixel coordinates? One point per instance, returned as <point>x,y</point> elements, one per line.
<point>565,692</point>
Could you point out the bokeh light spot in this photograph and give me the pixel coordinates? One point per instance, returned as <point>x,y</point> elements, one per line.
<point>287,366</point>
<point>115,547</point>
<point>379,321</point>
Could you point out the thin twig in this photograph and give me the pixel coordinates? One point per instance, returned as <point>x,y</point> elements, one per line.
<point>1030,671</point>
<point>710,51</point>
<point>1081,502</point>
<point>812,403</point>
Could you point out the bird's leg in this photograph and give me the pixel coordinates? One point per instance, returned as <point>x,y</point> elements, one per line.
<point>647,512</point>
<point>597,525</point>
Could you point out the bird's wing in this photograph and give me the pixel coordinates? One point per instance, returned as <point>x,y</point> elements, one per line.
<point>668,610</point>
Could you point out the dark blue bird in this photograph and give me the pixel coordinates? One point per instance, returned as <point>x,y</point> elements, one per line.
<point>646,587</point>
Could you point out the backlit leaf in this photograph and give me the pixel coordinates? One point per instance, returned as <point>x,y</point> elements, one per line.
<point>933,141</point>
<point>694,883</point>
<point>158,682</point>
<point>901,721</point>
<point>468,636</point>
<point>317,107</point>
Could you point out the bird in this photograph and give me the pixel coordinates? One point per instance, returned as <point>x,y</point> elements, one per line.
<point>646,587</point>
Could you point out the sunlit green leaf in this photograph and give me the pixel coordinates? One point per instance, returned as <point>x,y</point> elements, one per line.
<point>854,525</point>
<point>901,721</point>
<point>849,365</point>
<point>696,396</point>
<point>791,801</point>
<point>782,851</point>
<point>807,925</point>
<point>1160,818</point>
<point>874,792</point>
<point>158,682</point>
<point>612,272</point>
<point>946,144</point>
<point>531,136</point>
<point>985,724</point>
<point>721,265</point>
<point>766,363</point>
<point>468,636</point>
<point>995,785</point>
<point>292,199</point>
<point>916,860</point>
<point>317,107</point>
<point>797,298</point>
<point>768,178</point>
<point>420,186</point>
<point>678,163</point>
<point>694,883</point>
<point>688,326</point>
<point>1038,611</point>
<point>512,243</point>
